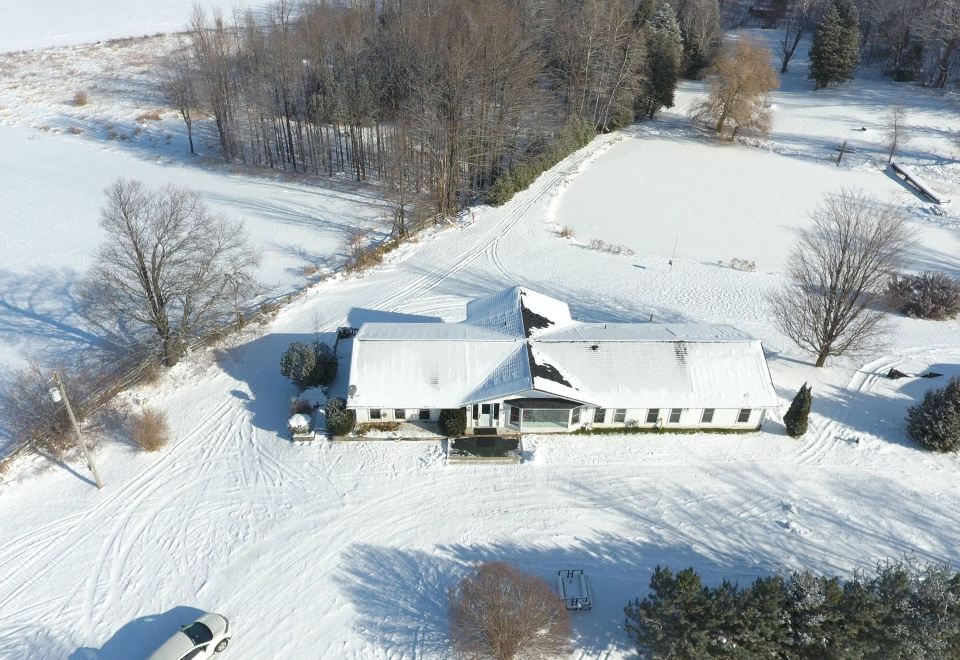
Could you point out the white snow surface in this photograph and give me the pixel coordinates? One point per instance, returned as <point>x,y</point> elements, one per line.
<point>345,550</point>
<point>29,24</point>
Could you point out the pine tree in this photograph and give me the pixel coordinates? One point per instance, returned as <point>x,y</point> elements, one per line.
<point>836,45</point>
<point>664,60</point>
<point>299,363</point>
<point>796,417</point>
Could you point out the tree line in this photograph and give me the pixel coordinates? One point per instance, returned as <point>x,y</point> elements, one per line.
<point>911,40</point>
<point>435,99</point>
<point>901,609</point>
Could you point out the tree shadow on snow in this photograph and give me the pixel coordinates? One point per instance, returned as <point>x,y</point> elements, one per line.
<point>401,596</point>
<point>140,637</point>
<point>257,363</point>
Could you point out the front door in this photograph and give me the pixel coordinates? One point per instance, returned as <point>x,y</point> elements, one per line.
<point>486,415</point>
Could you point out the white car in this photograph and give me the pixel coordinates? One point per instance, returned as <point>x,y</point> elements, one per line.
<point>199,640</point>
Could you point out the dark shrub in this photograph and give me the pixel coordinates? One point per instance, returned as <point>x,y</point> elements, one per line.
<point>935,422</point>
<point>298,363</point>
<point>326,363</point>
<point>309,366</point>
<point>453,421</point>
<point>926,296</point>
<point>340,420</point>
<point>796,418</point>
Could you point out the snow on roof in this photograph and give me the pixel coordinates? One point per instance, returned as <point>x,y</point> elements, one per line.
<point>518,339</point>
<point>665,374</point>
<point>633,332</point>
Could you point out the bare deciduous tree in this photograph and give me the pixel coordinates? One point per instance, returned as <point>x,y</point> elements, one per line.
<point>896,130</point>
<point>800,19</point>
<point>168,266</point>
<point>839,271</point>
<point>497,611</point>
<point>741,78</point>
<point>178,84</point>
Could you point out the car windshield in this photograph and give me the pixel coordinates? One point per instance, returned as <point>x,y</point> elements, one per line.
<point>198,633</point>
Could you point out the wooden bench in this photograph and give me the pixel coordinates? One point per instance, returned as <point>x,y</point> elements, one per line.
<point>919,183</point>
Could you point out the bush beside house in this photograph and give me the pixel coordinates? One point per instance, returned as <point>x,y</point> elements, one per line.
<point>340,420</point>
<point>453,421</point>
<point>309,365</point>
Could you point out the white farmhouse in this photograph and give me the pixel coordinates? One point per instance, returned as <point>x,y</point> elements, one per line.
<point>520,363</point>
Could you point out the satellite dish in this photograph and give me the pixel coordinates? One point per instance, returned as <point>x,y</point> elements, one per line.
<point>352,390</point>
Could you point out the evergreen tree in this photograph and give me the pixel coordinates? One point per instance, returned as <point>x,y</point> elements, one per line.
<point>670,622</point>
<point>664,60</point>
<point>935,422</point>
<point>836,45</point>
<point>340,420</point>
<point>325,364</point>
<point>298,363</point>
<point>796,417</point>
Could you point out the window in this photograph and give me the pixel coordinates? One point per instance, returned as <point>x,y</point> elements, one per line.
<point>514,415</point>
<point>476,412</point>
<point>424,414</point>
<point>198,633</point>
<point>619,415</point>
<point>744,416</point>
<point>375,413</point>
<point>576,415</point>
<point>707,417</point>
<point>598,415</point>
<point>652,415</point>
<point>399,414</point>
<point>675,415</point>
<point>496,414</point>
<point>485,409</point>
<point>194,653</point>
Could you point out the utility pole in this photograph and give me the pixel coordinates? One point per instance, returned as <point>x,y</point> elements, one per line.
<point>58,393</point>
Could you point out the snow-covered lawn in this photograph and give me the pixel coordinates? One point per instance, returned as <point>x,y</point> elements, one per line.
<point>344,550</point>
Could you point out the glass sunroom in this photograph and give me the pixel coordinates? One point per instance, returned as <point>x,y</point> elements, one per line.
<point>532,414</point>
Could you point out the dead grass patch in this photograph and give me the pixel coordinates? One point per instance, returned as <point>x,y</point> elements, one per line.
<point>150,430</point>
<point>80,98</point>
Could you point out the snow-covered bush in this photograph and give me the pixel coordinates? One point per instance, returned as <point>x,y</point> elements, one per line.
<point>498,611</point>
<point>309,365</point>
<point>926,296</point>
<point>299,424</point>
<point>150,429</point>
<point>453,421</point>
<point>935,422</point>
<point>340,420</point>
<point>795,418</point>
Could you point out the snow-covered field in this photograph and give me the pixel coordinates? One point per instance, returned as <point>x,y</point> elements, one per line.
<point>668,188</point>
<point>56,159</point>
<point>344,550</point>
<point>30,24</point>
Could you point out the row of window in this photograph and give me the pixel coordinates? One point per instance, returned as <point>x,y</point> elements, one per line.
<point>399,414</point>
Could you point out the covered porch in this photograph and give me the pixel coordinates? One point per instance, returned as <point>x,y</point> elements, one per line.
<point>541,415</point>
